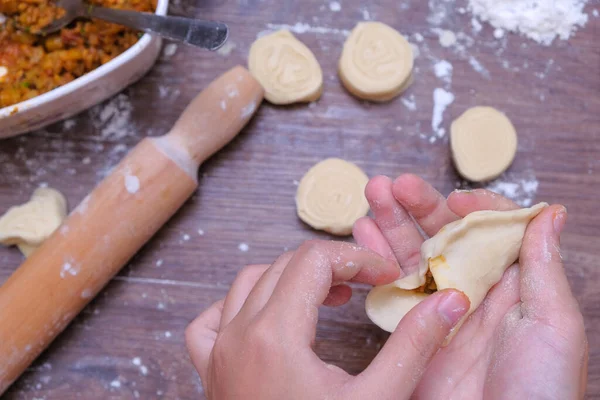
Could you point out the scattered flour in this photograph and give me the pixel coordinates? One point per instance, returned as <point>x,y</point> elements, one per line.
<point>200,232</point>
<point>301,28</point>
<point>478,67</point>
<point>132,183</point>
<point>539,20</point>
<point>335,6</point>
<point>115,384</point>
<point>443,70</point>
<point>226,49</point>
<point>69,268</point>
<point>477,27</point>
<point>69,124</point>
<point>410,102</point>
<point>447,38</point>
<point>186,237</point>
<point>248,110</point>
<point>441,100</point>
<point>113,118</point>
<point>367,15</point>
<point>169,50</point>
<point>243,247</point>
<point>160,262</point>
<point>520,188</point>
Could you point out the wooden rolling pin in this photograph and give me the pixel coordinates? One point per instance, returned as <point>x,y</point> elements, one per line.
<point>111,224</point>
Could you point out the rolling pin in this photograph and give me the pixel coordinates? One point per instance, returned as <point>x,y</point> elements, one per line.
<point>115,220</point>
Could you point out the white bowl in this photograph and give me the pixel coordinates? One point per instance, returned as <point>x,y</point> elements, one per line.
<point>86,91</point>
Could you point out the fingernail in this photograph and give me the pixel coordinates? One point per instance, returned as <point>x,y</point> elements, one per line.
<point>560,218</point>
<point>466,191</point>
<point>453,306</point>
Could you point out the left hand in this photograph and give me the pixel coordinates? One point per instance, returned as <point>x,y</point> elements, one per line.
<point>257,343</point>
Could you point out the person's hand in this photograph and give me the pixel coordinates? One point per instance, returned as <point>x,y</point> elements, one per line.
<point>527,339</point>
<point>257,343</point>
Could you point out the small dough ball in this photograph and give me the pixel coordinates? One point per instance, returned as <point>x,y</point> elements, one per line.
<point>286,68</point>
<point>29,225</point>
<point>376,62</point>
<point>331,196</point>
<point>483,142</point>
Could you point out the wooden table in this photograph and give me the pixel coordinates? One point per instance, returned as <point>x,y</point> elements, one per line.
<point>129,342</point>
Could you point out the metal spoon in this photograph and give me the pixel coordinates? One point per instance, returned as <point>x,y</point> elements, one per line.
<point>206,34</point>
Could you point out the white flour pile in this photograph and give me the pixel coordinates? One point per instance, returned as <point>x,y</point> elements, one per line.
<point>540,20</point>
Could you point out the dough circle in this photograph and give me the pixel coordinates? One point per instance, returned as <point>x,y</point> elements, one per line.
<point>376,62</point>
<point>286,68</point>
<point>483,142</point>
<point>331,196</point>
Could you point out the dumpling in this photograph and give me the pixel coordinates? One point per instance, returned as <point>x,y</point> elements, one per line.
<point>469,255</point>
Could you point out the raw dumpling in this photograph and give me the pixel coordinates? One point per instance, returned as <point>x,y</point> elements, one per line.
<point>469,255</point>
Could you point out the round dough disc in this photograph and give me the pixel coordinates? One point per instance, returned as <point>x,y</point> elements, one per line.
<point>483,142</point>
<point>286,69</point>
<point>376,62</point>
<point>331,196</point>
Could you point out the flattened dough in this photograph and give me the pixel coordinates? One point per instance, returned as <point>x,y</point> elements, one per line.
<point>331,196</point>
<point>286,69</point>
<point>376,62</point>
<point>483,142</point>
<point>470,255</point>
<point>28,225</point>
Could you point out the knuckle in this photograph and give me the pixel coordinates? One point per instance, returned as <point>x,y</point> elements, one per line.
<point>312,247</point>
<point>260,334</point>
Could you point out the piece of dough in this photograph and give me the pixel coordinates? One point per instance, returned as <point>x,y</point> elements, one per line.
<point>331,196</point>
<point>376,62</point>
<point>286,69</point>
<point>483,142</point>
<point>470,255</point>
<point>28,225</point>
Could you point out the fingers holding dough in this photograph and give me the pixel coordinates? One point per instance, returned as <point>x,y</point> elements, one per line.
<point>331,197</point>
<point>376,62</point>
<point>286,68</point>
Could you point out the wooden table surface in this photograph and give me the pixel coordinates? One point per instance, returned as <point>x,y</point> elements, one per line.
<point>129,342</point>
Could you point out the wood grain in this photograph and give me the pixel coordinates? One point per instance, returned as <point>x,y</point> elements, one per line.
<point>247,191</point>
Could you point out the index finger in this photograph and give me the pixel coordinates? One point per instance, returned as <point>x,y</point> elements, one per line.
<point>314,268</point>
<point>464,202</point>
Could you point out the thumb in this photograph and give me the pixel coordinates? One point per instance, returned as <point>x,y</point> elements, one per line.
<point>397,369</point>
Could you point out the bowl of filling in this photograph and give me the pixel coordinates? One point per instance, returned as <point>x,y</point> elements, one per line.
<point>44,79</point>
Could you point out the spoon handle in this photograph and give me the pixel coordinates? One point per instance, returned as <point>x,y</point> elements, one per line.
<point>206,34</point>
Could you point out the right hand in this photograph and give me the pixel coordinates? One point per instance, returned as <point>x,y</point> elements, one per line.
<point>527,339</point>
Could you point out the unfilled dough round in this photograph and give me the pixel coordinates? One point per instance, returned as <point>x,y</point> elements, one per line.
<point>376,62</point>
<point>483,142</point>
<point>331,196</point>
<point>286,69</point>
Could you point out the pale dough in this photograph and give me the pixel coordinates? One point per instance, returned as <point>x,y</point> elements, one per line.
<point>28,225</point>
<point>331,196</point>
<point>470,255</point>
<point>376,62</point>
<point>483,142</point>
<point>286,69</point>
